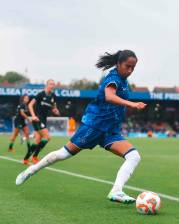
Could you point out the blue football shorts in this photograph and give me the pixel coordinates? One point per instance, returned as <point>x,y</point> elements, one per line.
<point>88,137</point>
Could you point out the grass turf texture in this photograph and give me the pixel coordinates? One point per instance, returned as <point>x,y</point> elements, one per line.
<point>51,198</point>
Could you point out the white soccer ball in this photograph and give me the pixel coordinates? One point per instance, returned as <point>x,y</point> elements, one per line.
<point>148,203</point>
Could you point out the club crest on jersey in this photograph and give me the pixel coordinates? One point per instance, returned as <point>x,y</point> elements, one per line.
<point>46,104</point>
<point>44,98</point>
<point>124,89</point>
<point>52,100</point>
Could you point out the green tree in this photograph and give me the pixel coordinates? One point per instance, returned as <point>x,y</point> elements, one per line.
<point>13,77</point>
<point>132,86</point>
<point>1,78</point>
<point>83,84</point>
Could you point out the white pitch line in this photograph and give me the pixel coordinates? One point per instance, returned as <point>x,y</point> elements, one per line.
<point>171,198</point>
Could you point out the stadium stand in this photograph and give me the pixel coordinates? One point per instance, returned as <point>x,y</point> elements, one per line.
<point>160,118</point>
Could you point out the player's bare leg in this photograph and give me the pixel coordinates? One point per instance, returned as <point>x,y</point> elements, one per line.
<point>42,138</point>
<point>13,138</point>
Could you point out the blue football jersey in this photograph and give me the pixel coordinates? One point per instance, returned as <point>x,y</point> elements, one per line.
<point>103,115</point>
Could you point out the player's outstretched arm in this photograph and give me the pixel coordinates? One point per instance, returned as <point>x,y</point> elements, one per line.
<point>111,97</point>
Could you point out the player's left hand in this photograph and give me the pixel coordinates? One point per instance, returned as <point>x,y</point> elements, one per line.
<point>55,111</point>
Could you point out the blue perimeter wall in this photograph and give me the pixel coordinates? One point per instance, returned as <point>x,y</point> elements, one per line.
<point>64,93</point>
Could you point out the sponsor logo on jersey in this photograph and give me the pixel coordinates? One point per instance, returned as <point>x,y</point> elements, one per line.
<point>46,104</point>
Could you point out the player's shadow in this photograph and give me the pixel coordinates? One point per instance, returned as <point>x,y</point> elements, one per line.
<point>115,205</point>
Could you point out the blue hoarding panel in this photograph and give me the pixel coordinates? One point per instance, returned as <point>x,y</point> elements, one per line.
<point>4,91</point>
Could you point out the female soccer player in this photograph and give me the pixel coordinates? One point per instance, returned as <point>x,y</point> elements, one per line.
<point>20,122</point>
<point>39,108</point>
<point>101,124</point>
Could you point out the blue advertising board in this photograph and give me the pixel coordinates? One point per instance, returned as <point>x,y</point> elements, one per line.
<point>66,93</point>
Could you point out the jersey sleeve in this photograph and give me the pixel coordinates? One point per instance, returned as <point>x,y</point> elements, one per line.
<point>111,80</point>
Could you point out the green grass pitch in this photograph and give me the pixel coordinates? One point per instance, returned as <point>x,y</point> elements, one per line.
<point>55,198</point>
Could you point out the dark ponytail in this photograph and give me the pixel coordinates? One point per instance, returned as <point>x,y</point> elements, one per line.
<point>107,60</point>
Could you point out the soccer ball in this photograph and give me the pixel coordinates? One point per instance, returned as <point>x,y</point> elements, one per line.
<point>148,203</point>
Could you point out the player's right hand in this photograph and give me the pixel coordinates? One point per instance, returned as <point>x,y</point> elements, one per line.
<point>138,105</point>
<point>35,118</point>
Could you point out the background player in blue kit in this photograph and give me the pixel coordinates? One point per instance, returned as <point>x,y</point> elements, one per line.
<point>101,124</point>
